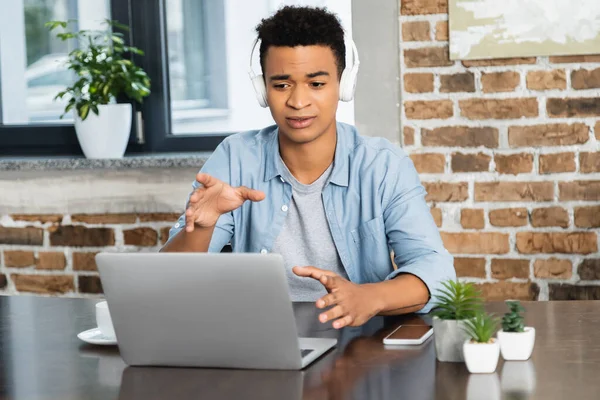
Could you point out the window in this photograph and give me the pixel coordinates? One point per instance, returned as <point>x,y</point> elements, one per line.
<point>197,56</point>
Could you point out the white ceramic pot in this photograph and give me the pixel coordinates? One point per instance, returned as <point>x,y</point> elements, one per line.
<point>449,336</point>
<point>105,135</point>
<point>517,346</point>
<point>481,358</point>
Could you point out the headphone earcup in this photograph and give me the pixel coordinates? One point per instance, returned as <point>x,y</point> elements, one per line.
<point>260,90</point>
<point>347,84</point>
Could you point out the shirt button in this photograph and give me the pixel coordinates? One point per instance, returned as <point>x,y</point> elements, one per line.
<point>263,251</point>
<point>282,180</point>
<point>177,225</point>
<point>284,208</point>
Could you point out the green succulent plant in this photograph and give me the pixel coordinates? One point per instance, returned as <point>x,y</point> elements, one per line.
<point>513,321</point>
<point>481,327</point>
<point>102,67</point>
<point>457,301</point>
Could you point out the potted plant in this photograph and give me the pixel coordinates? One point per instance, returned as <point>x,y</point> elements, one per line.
<point>516,340</point>
<point>481,351</point>
<point>455,303</point>
<point>104,72</point>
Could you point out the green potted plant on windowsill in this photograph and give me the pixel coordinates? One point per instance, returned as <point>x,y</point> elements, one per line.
<point>481,350</point>
<point>454,304</point>
<point>516,339</point>
<point>103,72</point>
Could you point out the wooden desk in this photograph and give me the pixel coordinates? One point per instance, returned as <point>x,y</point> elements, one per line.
<point>41,358</point>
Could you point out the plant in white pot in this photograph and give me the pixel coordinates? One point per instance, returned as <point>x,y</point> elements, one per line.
<point>455,303</point>
<point>516,339</point>
<point>481,351</point>
<point>104,72</point>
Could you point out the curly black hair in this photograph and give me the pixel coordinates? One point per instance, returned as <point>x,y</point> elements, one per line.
<point>293,26</point>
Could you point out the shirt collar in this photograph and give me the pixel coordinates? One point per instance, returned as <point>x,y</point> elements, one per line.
<point>341,166</point>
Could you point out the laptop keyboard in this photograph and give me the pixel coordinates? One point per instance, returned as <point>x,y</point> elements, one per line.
<point>305,352</point>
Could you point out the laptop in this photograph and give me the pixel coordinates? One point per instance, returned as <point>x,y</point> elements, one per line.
<point>223,310</point>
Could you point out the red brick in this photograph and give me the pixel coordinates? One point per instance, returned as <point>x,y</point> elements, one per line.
<point>548,135</point>
<point>90,284</point>
<point>462,82</point>
<point>418,83</point>
<point>508,217</point>
<point>469,267</point>
<point>427,57</point>
<point>443,192</point>
<point>561,291</point>
<point>557,242</point>
<point>501,291</point>
<point>553,268</point>
<point>3,281</point>
<point>104,218</point>
<point>587,217</point>
<point>79,236</point>
<point>441,31</point>
<point>436,213</point>
<point>479,109</point>
<point>514,191</point>
<point>84,262</point>
<point>51,260</point>
<point>432,163</point>
<point>567,108</point>
<point>589,269</point>
<point>164,234</point>
<point>472,218</point>
<point>479,162</point>
<point>43,218</point>
<point>505,268</point>
<point>476,243</point>
<point>557,163</point>
<point>589,162</point>
<point>493,82</point>
<point>44,284</point>
<point>547,80</point>
<point>499,62</point>
<point>434,109</point>
<point>460,136</point>
<point>159,217</point>
<point>597,130</point>
<point>575,59</point>
<point>514,163</point>
<point>579,190</point>
<point>409,136</point>
<point>550,216</point>
<point>140,237</point>
<point>422,7</point>
<point>585,79</point>
<point>416,31</point>
<point>18,258</point>
<point>26,236</point>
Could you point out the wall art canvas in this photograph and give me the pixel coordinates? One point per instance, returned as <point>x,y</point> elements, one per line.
<point>482,29</point>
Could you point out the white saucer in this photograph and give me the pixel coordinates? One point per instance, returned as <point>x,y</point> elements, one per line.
<point>94,336</point>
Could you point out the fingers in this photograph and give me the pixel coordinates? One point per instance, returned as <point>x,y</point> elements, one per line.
<point>206,180</point>
<point>189,219</point>
<point>327,300</point>
<point>250,194</point>
<point>332,314</point>
<point>312,272</point>
<point>344,321</point>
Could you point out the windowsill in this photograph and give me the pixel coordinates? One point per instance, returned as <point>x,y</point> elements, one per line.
<point>162,160</point>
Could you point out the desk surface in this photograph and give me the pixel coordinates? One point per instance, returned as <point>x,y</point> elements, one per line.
<point>41,358</point>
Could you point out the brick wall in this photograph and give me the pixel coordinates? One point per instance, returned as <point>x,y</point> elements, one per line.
<point>53,254</point>
<point>508,151</point>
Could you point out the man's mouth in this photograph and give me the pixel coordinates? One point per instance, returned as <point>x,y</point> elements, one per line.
<point>299,122</point>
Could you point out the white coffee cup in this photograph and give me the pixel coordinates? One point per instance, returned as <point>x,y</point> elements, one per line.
<point>104,321</point>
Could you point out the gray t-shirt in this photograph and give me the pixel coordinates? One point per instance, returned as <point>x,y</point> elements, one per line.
<point>305,238</point>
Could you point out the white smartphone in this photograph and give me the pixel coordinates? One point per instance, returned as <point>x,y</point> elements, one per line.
<point>409,334</point>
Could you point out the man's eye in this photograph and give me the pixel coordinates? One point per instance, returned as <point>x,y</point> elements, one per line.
<point>317,84</point>
<point>281,86</point>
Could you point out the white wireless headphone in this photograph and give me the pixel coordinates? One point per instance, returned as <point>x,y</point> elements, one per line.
<point>347,81</point>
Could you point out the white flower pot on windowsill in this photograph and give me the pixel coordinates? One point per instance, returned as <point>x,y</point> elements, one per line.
<point>105,135</point>
<point>481,358</point>
<point>517,346</point>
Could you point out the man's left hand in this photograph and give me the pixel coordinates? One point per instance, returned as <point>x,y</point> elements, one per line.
<point>352,304</point>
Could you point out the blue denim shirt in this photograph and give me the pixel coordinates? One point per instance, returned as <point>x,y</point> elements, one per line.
<point>374,203</point>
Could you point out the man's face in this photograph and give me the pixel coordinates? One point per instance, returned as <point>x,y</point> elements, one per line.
<point>302,90</point>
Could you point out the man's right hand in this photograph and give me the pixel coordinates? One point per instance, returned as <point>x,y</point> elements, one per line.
<point>213,199</point>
